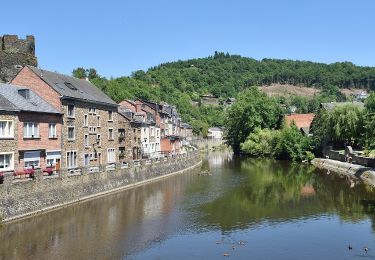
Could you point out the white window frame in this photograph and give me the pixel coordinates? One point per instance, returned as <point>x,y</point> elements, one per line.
<point>86,140</point>
<point>8,131</point>
<point>98,121</point>
<point>75,157</point>
<point>67,111</point>
<point>86,163</point>
<point>110,130</point>
<point>111,158</point>
<point>85,120</point>
<point>99,136</point>
<point>32,159</point>
<point>74,133</point>
<point>11,161</point>
<point>110,116</point>
<point>53,155</point>
<point>52,130</point>
<point>32,130</point>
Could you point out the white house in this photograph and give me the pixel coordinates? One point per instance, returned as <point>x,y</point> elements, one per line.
<point>215,133</point>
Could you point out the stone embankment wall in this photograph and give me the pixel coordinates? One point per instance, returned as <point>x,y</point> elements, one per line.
<point>355,171</point>
<point>361,160</point>
<point>24,197</point>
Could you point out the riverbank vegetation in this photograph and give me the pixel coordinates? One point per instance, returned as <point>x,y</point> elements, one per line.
<point>182,83</point>
<point>255,126</point>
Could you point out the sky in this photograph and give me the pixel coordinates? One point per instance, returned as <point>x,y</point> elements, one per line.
<point>118,37</point>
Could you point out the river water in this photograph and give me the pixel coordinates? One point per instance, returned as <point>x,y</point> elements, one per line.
<point>244,209</point>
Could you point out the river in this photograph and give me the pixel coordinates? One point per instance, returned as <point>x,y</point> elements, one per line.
<point>244,209</point>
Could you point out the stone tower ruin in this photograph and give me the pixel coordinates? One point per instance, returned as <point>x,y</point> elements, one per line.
<point>14,54</point>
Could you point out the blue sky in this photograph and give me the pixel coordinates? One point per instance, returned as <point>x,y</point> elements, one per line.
<point>118,37</point>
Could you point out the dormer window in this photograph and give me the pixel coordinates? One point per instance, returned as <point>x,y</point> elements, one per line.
<point>25,93</point>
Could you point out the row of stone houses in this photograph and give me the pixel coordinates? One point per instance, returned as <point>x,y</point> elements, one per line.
<point>50,120</point>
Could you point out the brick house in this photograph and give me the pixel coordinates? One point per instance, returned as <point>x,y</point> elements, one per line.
<point>30,130</point>
<point>129,136</point>
<point>89,116</point>
<point>170,135</point>
<point>146,118</point>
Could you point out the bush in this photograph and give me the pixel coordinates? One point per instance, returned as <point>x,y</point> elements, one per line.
<point>291,144</point>
<point>259,143</point>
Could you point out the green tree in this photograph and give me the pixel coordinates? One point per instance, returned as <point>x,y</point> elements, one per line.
<point>369,123</point>
<point>92,74</point>
<point>345,122</point>
<point>291,144</point>
<point>253,109</point>
<point>340,125</point>
<point>260,142</point>
<point>79,73</point>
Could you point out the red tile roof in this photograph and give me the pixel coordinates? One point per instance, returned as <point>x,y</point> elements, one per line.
<point>301,120</point>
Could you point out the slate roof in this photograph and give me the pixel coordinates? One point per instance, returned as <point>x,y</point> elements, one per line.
<point>125,112</point>
<point>70,87</point>
<point>10,95</point>
<point>6,105</point>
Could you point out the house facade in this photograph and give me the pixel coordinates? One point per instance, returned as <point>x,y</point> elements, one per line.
<point>89,123</point>
<point>129,136</point>
<point>30,131</point>
<point>150,134</point>
<point>215,133</point>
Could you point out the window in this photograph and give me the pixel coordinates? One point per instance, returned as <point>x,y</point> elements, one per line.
<point>52,133</point>
<point>98,121</point>
<point>111,155</point>
<point>121,133</point>
<point>6,162</point>
<point>92,130</point>
<point>85,120</point>
<point>71,111</point>
<point>71,133</point>
<point>53,158</point>
<point>94,110</point>
<point>30,130</point>
<point>6,129</point>
<point>110,115</point>
<point>86,160</point>
<point>110,134</point>
<point>157,133</point>
<point>90,110</point>
<point>86,140</point>
<point>32,159</point>
<point>98,140</point>
<point>71,159</point>
<point>70,85</point>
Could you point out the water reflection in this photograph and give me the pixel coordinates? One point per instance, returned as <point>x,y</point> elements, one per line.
<point>182,217</point>
<point>279,191</point>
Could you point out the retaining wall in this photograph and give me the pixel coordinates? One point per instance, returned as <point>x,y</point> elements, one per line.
<point>365,161</point>
<point>26,196</point>
<point>363,173</point>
